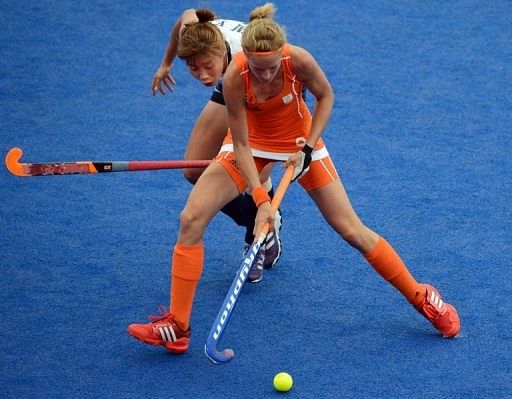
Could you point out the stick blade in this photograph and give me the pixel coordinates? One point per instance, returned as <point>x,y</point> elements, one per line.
<point>12,161</point>
<point>216,357</point>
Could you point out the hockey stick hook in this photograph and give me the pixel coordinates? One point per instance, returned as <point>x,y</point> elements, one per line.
<point>12,161</point>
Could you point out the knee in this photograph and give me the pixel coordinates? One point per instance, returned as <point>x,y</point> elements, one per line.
<point>360,237</point>
<point>192,175</point>
<point>189,223</point>
<point>353,237</point>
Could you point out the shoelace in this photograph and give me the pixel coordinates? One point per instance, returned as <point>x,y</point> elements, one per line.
<point>164,314</point>
<point>431,308</point>
<point>431,311</point>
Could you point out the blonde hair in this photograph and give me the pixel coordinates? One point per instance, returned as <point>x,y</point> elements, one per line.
<point>262,33</point>
<point>201,38</point>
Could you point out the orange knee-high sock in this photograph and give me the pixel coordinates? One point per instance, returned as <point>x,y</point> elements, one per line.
<point>388,264</point>
<point>187,266</point>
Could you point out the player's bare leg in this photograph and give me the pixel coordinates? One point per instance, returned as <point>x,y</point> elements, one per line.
<point>335,206</point>
<point>202,206</point>
<point>333,202</point>
<point>206,137</point>
<point>205,142</point>
<point>171,329</point>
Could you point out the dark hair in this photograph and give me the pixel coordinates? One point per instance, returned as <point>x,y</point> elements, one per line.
<point>201,38</point>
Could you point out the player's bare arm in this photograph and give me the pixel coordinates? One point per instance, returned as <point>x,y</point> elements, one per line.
<point>235,107</point>
<point>309,72</point>
<point>313,78</point>
<point>163,80</point>
<point>234,95</point>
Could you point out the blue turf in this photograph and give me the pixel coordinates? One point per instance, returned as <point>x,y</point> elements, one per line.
<point>420,133</point>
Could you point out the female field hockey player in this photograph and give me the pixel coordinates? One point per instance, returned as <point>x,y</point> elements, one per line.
<point>207,45</point>
<point>262,90</point>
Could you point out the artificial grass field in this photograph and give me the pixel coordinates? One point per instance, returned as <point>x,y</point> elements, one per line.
<point>420,134</point>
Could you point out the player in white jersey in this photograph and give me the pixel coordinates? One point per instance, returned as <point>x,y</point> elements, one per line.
<point>207,45</point>
<point>232,32</point>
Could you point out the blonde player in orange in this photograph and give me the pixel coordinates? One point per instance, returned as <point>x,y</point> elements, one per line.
<point>207,44</point>
<point>269,121</point>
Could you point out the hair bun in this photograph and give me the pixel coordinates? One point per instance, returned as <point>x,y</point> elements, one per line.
<point>205,15</point>
<point>265,11</point>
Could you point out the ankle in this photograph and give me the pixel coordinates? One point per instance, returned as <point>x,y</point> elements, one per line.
<point>184,326</point>
<point>419,298</point>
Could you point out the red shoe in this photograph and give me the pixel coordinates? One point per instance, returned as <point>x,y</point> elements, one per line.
<point>442,315</point>
<point>162,330</point>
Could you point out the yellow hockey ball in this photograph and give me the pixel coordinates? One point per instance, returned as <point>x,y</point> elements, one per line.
<point>283,382</point>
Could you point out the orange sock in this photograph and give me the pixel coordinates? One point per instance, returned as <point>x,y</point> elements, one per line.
<point>388,264</point>
<point>187,266</point>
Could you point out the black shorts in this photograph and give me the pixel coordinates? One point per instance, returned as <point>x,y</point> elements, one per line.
<point>218,96</point>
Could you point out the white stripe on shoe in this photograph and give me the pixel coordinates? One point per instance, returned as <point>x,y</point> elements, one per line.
<point>162,334</point>
<point>167,333</point>
<point>171,330</point>
<point>271,239</point>
<point>436,300</point>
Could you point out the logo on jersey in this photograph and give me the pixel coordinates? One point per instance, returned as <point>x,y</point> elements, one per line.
<point>288,98</point>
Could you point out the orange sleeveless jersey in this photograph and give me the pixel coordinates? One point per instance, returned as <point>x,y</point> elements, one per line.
<point>279,125</point>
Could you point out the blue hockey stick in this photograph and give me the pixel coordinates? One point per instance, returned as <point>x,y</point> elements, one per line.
<point>225,311</point>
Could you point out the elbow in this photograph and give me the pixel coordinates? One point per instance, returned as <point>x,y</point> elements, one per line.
<point>184,18</point>
<point>188,11</point>
<point>326,95</point>
<point>326,100</point>
<point>329,97</point>
<point>188,15</point>
<point>330,94</point>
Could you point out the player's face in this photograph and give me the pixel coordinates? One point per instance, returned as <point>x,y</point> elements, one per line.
<point>265,67</point>
<point>207,69</point>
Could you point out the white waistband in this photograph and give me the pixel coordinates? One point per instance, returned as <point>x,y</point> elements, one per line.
<point>278,156</point>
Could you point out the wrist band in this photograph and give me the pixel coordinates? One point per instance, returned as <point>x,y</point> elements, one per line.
<point>260,195</point>
<point>307,149</point>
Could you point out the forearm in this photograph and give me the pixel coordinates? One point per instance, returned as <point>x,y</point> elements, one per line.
<point>172,47</point>
<point>234,95</point>
<point>321,115</point>
<point>246,165</point>
<point>302,159</point>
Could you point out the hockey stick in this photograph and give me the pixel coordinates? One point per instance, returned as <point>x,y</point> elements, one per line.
<point>241,277</point>
<point>12,161</point>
